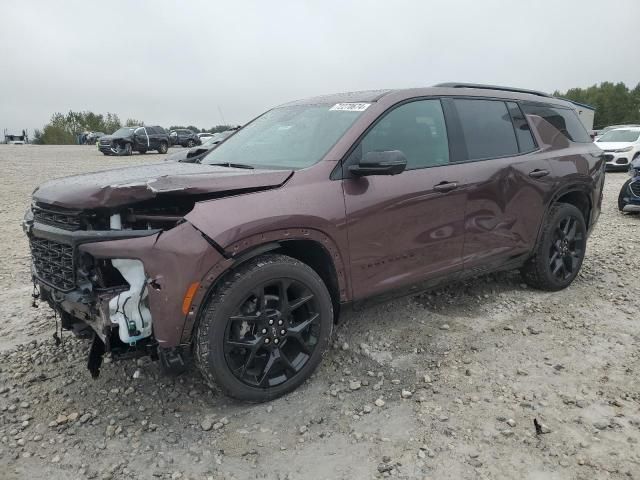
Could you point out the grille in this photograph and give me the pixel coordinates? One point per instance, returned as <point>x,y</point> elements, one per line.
<point>608,157</point>
<point>635,188</point>
<point>67,220</point>
<point>53,263</point>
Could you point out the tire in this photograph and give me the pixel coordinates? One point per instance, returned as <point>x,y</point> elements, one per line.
<point>127,150</point>
<point>623,190</point>
<point>190,144</point>
<point>142,151</point>
<point>234,354</point>
<point>106,154</point>
<point>560,251</point>
<point>164,147</point>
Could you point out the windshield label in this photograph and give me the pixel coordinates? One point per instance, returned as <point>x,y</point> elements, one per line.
<point>350,107</point>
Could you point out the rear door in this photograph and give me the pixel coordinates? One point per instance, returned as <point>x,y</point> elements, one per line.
<point>508,181</point>
<point>409,228</point>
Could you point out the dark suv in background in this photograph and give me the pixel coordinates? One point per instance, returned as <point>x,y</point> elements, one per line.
<point>245,259</point>
<point>184,137</point>
<point>134,139</point>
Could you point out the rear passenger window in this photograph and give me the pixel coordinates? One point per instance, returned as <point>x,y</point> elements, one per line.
<point>417,129</point>
<point>563,119</point>
<point>151,130</point>
<point>487,128</point>
<point>521,127</point>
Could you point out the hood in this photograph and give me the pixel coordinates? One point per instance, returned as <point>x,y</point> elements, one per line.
<point>609,146</point>
<point>123,186</point>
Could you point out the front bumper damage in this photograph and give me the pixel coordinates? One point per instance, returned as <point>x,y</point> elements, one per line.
<point>144,311</point>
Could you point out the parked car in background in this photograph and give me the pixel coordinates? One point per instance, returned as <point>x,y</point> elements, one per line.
<point>205,135</point>
<point>134,139</point>
<point>184,137</point>
<point>245,259</point>
<point>193,154</point>
<point>93,137</point>
<point>621,146</point>
<point>629,196</point>
<point>604,130</point>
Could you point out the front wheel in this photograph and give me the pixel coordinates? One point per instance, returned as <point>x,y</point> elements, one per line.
<point>560,250</point>
<point>190,144</point>
<point>264,329</point>
<point>622,194</point>
<point>163,147</point>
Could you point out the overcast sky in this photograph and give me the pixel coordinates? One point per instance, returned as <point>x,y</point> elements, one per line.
<point>191,62</point>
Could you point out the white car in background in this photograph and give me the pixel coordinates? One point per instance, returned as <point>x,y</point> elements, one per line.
<point>621,146</point>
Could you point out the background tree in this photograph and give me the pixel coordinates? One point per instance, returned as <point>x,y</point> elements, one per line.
<point>132,122</point>
<point>614,103</point>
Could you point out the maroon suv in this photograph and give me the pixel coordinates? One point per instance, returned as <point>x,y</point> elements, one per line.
<point>244,259</point>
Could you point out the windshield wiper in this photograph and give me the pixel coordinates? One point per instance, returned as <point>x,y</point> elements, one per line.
<point>232,165</point>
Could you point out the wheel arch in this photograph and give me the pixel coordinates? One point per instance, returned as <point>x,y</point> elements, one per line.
<point>311,247</point>
<point>577,195</point>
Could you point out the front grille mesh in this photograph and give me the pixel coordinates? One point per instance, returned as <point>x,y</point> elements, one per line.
<point>635,188</point>
<point>67,220</point>
<point>53,263</point>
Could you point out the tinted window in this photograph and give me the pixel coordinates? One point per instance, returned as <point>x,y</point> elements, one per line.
<point>139,131</point>
<point>151,130</point>
<point>417,129</point>
<point>487,128</point>
<point>159,130</point>
<point>563,119</point>
<point>523,132</point>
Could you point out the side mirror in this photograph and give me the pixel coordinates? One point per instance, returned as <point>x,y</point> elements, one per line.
<point>389,162</point>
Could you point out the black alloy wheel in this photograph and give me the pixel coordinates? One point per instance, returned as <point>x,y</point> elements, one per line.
<point>559,251</point>
<point>273,333</point>
<point>567,248</point>
<point>264,328</point>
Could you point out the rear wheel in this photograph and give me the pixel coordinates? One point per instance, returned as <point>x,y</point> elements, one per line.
<point>265,328</point>
<point>190,143</point>
<point>163,147</point>
<point>560,251</point>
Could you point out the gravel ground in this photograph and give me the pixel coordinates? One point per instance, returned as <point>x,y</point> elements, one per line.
<point>444,385</point>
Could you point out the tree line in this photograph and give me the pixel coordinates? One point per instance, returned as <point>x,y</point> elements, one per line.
<point>615,103</point>
<point>63,129</point>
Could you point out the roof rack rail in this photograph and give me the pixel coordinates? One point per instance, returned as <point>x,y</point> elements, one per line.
<point>491,87</point>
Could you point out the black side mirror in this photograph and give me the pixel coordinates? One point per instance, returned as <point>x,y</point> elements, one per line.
<point>389,162</point>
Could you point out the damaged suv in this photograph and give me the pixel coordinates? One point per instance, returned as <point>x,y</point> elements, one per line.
<point>244,260</point>
<point>127,140</point>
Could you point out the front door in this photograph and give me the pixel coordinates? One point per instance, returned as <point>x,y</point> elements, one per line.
<point>407,228</point>
<point>141,139</point>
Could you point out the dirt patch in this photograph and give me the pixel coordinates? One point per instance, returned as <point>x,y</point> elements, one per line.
<point>445,385</point>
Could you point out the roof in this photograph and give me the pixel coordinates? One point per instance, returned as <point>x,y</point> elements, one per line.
<point>583,105</point>
<point>442,89</point>
<point>365,96</point>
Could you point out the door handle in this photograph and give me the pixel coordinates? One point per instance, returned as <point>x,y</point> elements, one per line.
<point>538,173</point>
<point>445,187</point>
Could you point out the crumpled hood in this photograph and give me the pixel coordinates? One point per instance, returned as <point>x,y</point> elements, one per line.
<point>122,186</point>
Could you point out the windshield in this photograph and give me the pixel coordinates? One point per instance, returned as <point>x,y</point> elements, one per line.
<point>123,132</point>
<point>620,136</point>
<point>287,137</point>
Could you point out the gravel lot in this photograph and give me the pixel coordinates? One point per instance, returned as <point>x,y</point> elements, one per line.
<point>445,385</point>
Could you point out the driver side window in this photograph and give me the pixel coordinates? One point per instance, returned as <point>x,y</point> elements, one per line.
<point>417,129</point>
<point>140,131</point>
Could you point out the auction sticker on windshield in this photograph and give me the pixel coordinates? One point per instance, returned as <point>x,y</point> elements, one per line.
<point>350,107</point>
